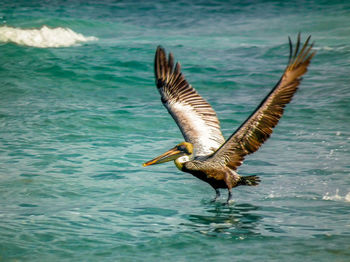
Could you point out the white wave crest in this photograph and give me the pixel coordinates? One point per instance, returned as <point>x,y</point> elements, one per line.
<point>337,197</point>
<point>44,37</point>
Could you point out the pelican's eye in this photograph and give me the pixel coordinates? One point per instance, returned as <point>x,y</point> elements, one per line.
<point>184,148</point>
<point>181,148</point>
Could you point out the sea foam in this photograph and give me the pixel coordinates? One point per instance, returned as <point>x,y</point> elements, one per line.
<point>337,197</point>
<point>44,37</point>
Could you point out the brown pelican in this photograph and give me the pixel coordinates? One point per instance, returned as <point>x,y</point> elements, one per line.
<point>206,154</point>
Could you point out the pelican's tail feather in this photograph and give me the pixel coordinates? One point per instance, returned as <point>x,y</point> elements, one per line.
<point>249,181</point>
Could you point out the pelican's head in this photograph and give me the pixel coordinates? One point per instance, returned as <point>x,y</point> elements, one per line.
<point>180,153</point>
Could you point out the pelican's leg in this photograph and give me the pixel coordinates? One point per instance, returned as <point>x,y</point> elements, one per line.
<point>229,198</point>
<point>230,180</point>
<point>217,191</point>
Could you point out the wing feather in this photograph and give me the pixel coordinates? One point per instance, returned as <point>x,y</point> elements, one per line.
<point>258,127</point>
<point>194,116</point>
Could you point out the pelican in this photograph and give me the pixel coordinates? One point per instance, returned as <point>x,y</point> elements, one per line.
<point>205,154</point>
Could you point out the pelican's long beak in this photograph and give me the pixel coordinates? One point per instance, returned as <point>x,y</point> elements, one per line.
<point>172,154</point>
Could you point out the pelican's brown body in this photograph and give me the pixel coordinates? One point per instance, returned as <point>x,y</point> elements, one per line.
<point>217,175</point>
<point>205,154</point>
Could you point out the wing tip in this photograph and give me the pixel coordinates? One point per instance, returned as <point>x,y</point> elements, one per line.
<point>300,57</point>
<point>160,48</point>
<point>160,61</point>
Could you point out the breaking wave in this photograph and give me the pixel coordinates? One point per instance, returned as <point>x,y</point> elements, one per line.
<point>44,37</point>
<point>337,197</point>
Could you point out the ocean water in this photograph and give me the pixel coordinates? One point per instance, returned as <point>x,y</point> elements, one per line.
<point>79,114</point>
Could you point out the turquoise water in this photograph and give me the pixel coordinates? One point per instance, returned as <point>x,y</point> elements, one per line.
<point>77,122</point>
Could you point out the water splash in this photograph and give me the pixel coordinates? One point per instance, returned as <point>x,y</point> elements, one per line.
<point>337,197</point>
<point>44,37</point>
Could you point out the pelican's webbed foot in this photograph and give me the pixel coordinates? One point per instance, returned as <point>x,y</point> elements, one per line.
<point>217,196</point>
<point>229,198</point>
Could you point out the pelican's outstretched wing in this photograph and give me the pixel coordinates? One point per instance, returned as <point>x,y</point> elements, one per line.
<point>195,117</point>
<point>258,127</point>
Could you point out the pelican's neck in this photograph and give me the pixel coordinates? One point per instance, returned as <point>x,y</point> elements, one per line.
<point>179,162</point>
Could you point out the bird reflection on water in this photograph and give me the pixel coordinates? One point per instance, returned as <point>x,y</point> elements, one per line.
<point>237,221</point>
